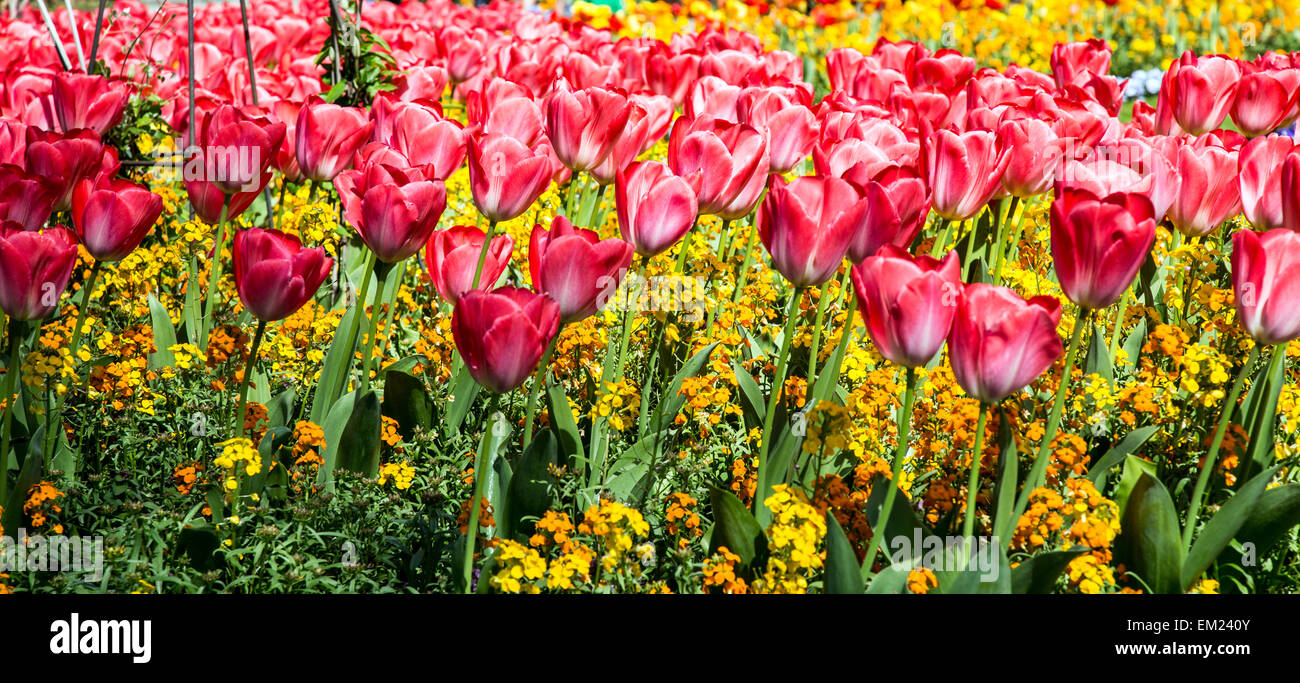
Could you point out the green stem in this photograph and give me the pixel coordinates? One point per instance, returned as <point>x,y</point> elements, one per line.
<point>12,386</point>
<point>1225,417</point>
<point>882,522</point>
<point>359,309</point>
<point>1120,313</point>
<point>381,281</point>
<point>238,426</point>
<point>1038,472</point>
<point>945,231</point>
<point>1015,241</point>
<point>972,485</point>
<point>1008,209</point>
<point>1263,416</point>
<point>482,255</point>
<point>214,278</point>
<point>391,301</point>
<point>686,246</point>
<point>822,296</point>
<point>774,395</point>
<point>480,476</point>
<point>87,288</point>
<point>743,276</point>
<point>538,381</point>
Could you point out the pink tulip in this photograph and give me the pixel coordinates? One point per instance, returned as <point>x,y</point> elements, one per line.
<point>1259,173</point>
<point>725,163</point>
<point>584,125</point>
<point>505,177</point>
<point>34,269</point>
<point>452,257</point>
<point>1099,244</point>
<point>899,203</point>
<point>274,275</point>
<point>655,208</point>
<point>575,267</point>
<point>907,302</point>
<point>1198,91</point>
<point>327,137</point>
<point>1266,284</point>
<point>394,210</point>
<point>1035,153</point>
<point>85,101</point>
<point>1076,63</point>
<point>1266,101</point>
<point>808,224</point>
<point>501,335</point>
<point>113,216</point>
<point>1210,192</point>
<point>435,144</point>
<point>965,171</point>
<point>64,159</point>
<point>1291,191</point>
<point>26,199</point>
<point>1000,342</point>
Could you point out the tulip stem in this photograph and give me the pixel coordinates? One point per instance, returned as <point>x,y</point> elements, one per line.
<point>380,282</point>
<point>86,289</point>
<point>1190,288</point>
<point>358,310</point>
<point>1275,366</point>
<point>1008,209</point>
<point>1038,472</point>
<point>896,475</point>
<point>392,307</point>
<point>536,388</point>
<point>686,246</point>
<point>480,476</point>
<point>822,296</point>
<point>774,395</point>
<point>972,485</point>
<point>482,255</point>
<point>743,276</point>
<point>1120,314</point>
<point>1207,467</point>
<point>238,425</point>
<point>214,277</point>
<point>1014,244</point>
<point>945,231</point>
<point>12,386</point>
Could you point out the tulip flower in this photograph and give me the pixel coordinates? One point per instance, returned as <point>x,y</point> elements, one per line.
<point>725,163</point>
<point>1291,191</point>
<point>327,137</point>
<point>965,171</point>
<point>13,142</point>
<point>1259,174</point>
<point>1000,342</point>
<point>394,210</point>
<point>1035,154</point>
<point>1210,193</point>
<point>231,162</point>
<point>898,202</point>
<point>113,216</point>
<point>655,208</point>
<point>274,275</point>
<point>1266,101</point>
<point>1099,244</point>
<point>502,334</point>
<point>433,143</point>
<point>575,267</point>
<point>64,159</point>
<point>584,125</point>
<point>26,199</point>
<point>807,226</point>
<point>34,269</point>
<point>1266,284</point>
<point>1198,91</point>
<point>506,177</point>
<point>907,302</point>
<point>85,101</point>
<point>452,256</point>
<point>1076,63</point>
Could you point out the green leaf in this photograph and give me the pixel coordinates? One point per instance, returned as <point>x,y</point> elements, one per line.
<point>1264,419</point>
<point>990,575</point>
<point>734,527</point>
<point>498,488</point>
<point>192,311</point>
<point>891,580</point>
<point>751,397</point>
<point>843,574</point>
<point>1130,443</point>
<point>529,493</point>
<point>1276,513</point>
<point>29,476</point>
<point>1038,574</point>
<point>1005,490</point>
<point>334,369</point>
<point>1223,526</point>
<point>673,398</point>
<point>164,334</point>
<point>280,411</point>
<point>406,401</point>
<point>333,426</point>
<point>1149,542</point>
<point>358,449</point>
<point>1134,467</point>
<point>272,441</point>
<point>562,421</point>
<point>1098,360</point>
<point>1133,343</point>
<point>466,389</point>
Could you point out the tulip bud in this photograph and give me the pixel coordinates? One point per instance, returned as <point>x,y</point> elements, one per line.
<point>274,275</point>
<point>1099,244</point>
<point>1266,284</point>
<point>452,257</point>
<point>1000,342</point>
<point>907,302</point>
<point>34,269</point>
<point>502,334</point>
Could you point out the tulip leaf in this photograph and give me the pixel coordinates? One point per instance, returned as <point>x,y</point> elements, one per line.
<point>334,369</point>
<point>1223,527</point>
<point>1276,512</point>
<point>1134,342</point>
<point>497,490</point>
<point>406,401</point>
<point>1098,361</point>
<point>1134,467</point>
<point>1005,490</point>
<point>466,390</point>
<point>1038,574</point>
<point>358,449</point>
<point>1117,453</point>
<point>562,421</point>
<point>843,573</point>
<point>778,466</point>
<point>1149,542</point>
<point>1267,388</point>
<point>164,334</point>
<point>902,521</point>
<point>529,493</point>
<point>192,311</point>
<point>333,426</point>
<point>751,397</point>
<point>673,397</point>
<point>734,528</point>
<point>891,580</point>
<point>988,572</point>
<point>28,476</point>
<point>280,410</point>
<point>271,442</point>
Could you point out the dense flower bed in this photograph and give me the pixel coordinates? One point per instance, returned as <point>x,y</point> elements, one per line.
<point>679,298</point>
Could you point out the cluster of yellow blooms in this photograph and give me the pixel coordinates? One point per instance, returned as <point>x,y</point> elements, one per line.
<point>237,455</point>
<point>793,538</point>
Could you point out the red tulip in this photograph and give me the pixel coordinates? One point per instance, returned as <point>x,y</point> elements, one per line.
<point>452,257</point>
<point>1198,91</point>
<point>1035,153</point>
<point>1266,101</point>
<point>1077,63</point>
<point>725,163</point>
<point>584,125</point>
<point>1209,192</point>
<point>327,137</point>
<point>13,142</point>
<point>1291,191</point>
<point>501,335</point>
<point>965,171</point>
<point>231,162</point>
<point>655,208</point>
<point>394,210</point>
<point>506,177</point>
<point>1000,342</point>
<point>1099,244</point>
<point>34,269</point>
<point>112,217</point>
<point>899,202</point>
<point>575,267</point>
<point>1266,283</point>
<point>807,226</point>
<point>85,101</point>
<point>274,274</point>
<point>435,144</point>
<point>907,302</point>
<point>64,159</point>
<point>26,199</point>
<point>1259,172</point>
